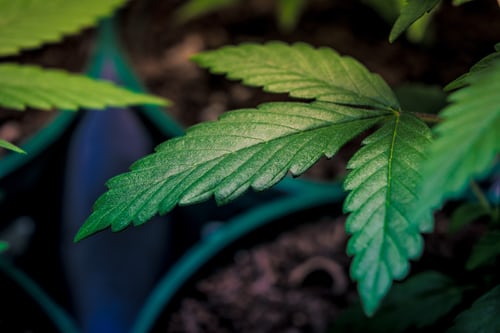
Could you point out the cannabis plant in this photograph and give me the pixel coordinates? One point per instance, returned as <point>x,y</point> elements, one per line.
<point>409,163</point>
<point>27,24</point>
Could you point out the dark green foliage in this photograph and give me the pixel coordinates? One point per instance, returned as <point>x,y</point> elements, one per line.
<point>480,67</point>
<point>482,316</point>
<point>468,139</point>
<point>466,214</point>
<point>486,250</point>
<point>415,303</point>
<point>288,13</point>
<point>411,12</point>
<point>383,183</point>
<point>24,86</point>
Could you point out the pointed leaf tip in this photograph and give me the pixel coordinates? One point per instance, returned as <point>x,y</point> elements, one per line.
<point>24,86</point>
<point>249,148</point>
<point>382,184</point>
<point>301,71</point>
<point>28,24</point>
<point>474,114</point>
<point>410,13</point>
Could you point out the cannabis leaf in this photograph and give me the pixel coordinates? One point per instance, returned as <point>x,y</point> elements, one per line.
<point>245,148</point>
<point>485,251</point>
<point>411,12</point>
<point>466,214</point>
<point>10,146</point>
<point>468,140</point>
<point>30,23</point>
<point>481,66</point>
<point>255,148</point>
<point>302,71</point>
<point>482,316</point>
<point>31,86</point>
<point>383,181</point>
<point>406,306</point>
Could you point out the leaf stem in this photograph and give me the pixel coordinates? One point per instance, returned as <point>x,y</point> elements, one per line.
<point>428,117</point>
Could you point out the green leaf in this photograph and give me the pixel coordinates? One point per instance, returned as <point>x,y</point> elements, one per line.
<point>418,31</point>
<point>302,71</point>
<point>10,146</point>
<point>480,67</point>
<point>411,12</point>
<point>31,86</point>
<point>26,24</point>
<point>466,214</point>
<point>383,181</point>
<point>482,316</point>
<point>406,306</point>
<point>3,246</point>
<point>245,148</point>
<point>486,250</point>
<point>288,12</point>
<point>468,140</point>
<point>195,8</point>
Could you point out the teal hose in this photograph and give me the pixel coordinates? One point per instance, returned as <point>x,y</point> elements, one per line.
<point>61,319</point>
<point>227,234</point>
<point>35,145</point>
<point>108,47</point>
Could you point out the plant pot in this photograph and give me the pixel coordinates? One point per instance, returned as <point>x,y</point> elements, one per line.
<point>244,233</point>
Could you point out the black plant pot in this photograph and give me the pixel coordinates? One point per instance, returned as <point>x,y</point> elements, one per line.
<point>265,222</point>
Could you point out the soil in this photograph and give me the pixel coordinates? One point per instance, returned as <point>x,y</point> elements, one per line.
<point>296,281</point>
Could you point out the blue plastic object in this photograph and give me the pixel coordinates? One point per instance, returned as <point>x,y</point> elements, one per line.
<point>109,275</point>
